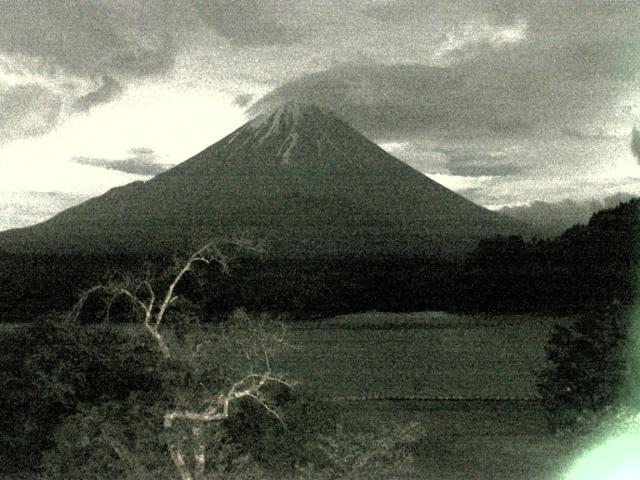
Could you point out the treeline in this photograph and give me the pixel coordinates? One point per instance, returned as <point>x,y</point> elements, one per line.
<point>588,265</point>
<point>32,285</point>
<point>319,287</point>
<point>584,268</point>
<point>301,288</point>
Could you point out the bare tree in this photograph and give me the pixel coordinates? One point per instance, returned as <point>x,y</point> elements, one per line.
<point>251,345</point>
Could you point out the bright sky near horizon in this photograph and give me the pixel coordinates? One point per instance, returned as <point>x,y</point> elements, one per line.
<point>503,101</point>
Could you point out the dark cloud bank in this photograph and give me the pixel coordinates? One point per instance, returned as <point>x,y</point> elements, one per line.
<point>90,39</point>
<point>575,62</point>
<point>507,95</point>
<point>248,22</point>
<point>103,44</point>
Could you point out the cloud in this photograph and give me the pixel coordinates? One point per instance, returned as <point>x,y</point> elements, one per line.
<point>463,168</point>
<point>470,164</point>
<point>21,209</point>
<point>635,143</point>
<point>107,91</point>
<point>461,184</point>
<point>91,39</point>
<point>243,100</point>
<point>456,13</point>
<point>391,11</point>
<point>87,52</point>
<point>27,110</point>
<point>393,102</point>
<point>144,153</point>
<point>555,217</point>
<point>249,22</point>
<point>506,98</point>
<point>592,135</point>
<point>566,69</point>
<point>143,161</point>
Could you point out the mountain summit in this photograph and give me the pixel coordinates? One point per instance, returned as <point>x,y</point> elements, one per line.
<point>299,178</point>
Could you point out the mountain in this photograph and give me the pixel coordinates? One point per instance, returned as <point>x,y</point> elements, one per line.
<point>299,178</point>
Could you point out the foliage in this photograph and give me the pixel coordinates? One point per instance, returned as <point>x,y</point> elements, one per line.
<point>585,267</point>
<point>303,287</point>
<point>71,389</point>
<point>28,281</point>
<point>280,445</point>
<point>126,440</point>
<point>82,388</point>
<point>50,367</point>
<point>587,369</point>
<point>127,416</point>
<point>103,401</point>
<point>327,286</point>
<point>112,439</point>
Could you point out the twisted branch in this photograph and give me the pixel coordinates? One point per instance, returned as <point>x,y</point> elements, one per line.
<point>249,386</point>
<point>152,314</point>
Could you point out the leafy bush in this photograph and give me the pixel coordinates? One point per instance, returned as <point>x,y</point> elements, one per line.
<point>50,367</point>
<point>113,439</point>
<point>280,445</point>
<point>588,367</point>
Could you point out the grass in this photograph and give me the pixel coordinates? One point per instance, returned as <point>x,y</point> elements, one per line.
<point>431,355</point>
<point>437,355</point>
<point>472,440</point>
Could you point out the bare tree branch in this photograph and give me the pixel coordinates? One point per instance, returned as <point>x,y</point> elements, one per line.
<point>249,386</point>
<point>268,408</point>
<point>179,462</point>
<point>198,454</point>
<point>142,294</point>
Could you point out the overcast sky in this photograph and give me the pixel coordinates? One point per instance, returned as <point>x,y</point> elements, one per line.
<point>506,102</point>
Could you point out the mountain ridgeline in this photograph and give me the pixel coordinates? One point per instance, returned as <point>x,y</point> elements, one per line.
<point>299,179</point>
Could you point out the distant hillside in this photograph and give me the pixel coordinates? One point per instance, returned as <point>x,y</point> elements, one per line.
<point>550,219</point>
<point>299,178</point>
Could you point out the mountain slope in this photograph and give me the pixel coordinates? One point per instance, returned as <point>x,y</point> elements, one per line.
<point>300,178</point>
